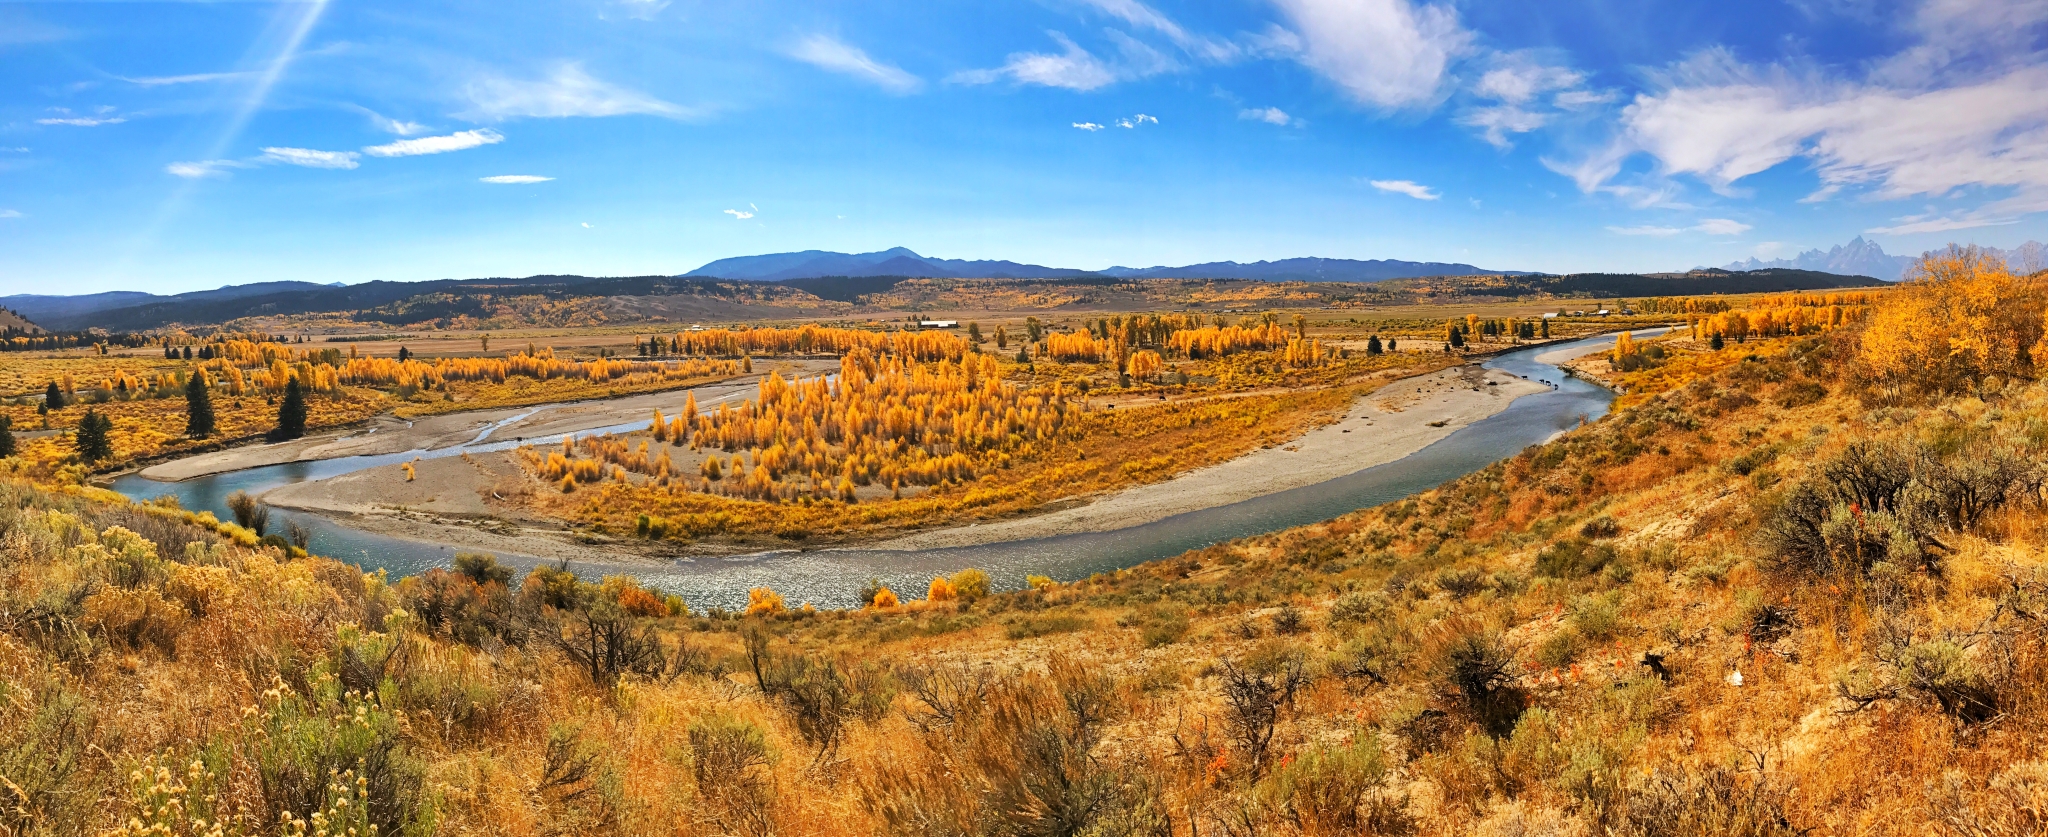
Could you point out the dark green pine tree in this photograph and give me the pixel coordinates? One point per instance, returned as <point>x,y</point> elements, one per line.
<point>291,415</point>
<point>1372,345</point>
<point>1715,342</point>
<point>198,406</point>
<point>6,436</point>
<point>53,396</point>
<point>91,440</point>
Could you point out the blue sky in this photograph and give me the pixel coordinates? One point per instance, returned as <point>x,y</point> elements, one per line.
<point>175,146</point>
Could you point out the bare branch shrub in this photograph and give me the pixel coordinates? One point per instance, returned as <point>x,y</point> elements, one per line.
<point>1254,699</point>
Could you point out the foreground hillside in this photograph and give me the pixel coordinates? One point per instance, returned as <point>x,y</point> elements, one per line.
<point>1796,586</point>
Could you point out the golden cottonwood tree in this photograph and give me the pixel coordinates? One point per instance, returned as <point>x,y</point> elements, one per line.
<point>1962,314</point>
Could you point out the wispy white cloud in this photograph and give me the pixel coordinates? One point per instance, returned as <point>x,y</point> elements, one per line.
<point>1270,116</point>
<point>1072,69</point>
<point>829,53</point>
<point>1516,86</point>
<point>1137,120</point>
<point>1935,222</point>
<point>1957,115</point>
<point>193,78</point>
<point>1406,187</point>
<point>1088,126</point>
<point>1722,226</point>
<point>81,121</point>
<point>1141,16</point>
<point>388,125</point>
<point>1582,99</point>
<point>515,179</point>
<point>310,158</point>
<point>457,141</point>
<point>1391,54</point>
<point>567,91</point>
<point>1648,230</point>
<point>1598,172</point>
<point>204,168</point>
<point>10,213</point>
<point>740,214</point>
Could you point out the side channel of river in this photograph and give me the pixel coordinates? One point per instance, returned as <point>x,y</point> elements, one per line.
<point>833,577</point>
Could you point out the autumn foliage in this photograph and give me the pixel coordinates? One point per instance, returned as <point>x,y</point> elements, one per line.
<point>1962,314</point>
<point>887,420</point>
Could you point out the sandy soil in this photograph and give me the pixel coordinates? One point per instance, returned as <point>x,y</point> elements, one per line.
<point>462,501</point>
<point>386,434</point>
<point>1392,422</point>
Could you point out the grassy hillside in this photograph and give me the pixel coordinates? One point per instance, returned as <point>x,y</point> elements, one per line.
<point>1799,589</point>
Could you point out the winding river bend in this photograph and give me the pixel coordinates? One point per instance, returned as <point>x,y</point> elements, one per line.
<point>833,577</point>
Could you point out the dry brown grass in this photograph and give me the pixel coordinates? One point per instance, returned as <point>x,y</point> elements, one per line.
<point>1157,700</point>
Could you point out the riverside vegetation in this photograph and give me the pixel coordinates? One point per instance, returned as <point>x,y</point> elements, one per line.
<point>1795,586</point>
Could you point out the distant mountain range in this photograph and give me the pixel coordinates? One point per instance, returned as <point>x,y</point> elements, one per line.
<point>1864,257</point>
<point>128,311</point>
<point>902,261</point>
<point>1858,257</point>
<point>65,311</point>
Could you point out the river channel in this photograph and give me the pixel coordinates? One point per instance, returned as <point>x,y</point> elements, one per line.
<point>833,577</point>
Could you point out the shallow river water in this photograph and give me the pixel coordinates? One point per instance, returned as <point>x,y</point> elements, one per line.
<point>833,577</point>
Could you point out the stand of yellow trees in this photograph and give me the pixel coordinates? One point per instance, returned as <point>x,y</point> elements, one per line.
<point>885,420</point>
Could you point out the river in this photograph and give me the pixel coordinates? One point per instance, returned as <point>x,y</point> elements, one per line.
<point>833,577</point>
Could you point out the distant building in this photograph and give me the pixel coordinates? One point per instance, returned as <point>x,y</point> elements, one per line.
<point>1550,316</point>
<point>922,324</point>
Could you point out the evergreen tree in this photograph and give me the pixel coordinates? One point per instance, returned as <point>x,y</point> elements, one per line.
<point>404,354</point>
<point>291,415</point>
<point>1390,344</point>
<point>1372,345</point>
<point>91,440</point>
<point>1457,338</point>
<point>1715,342</point>
<point>198,406</point>
<point>188,352</point>
<point>6,436</point>
<point>53,396</point>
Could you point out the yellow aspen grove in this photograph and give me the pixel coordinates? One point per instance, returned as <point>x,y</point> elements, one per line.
<point>1217,341</point>
<point>1624,345</point>
<point>1305,354</point>
<point>1961,314</point>
<point>921,423</point>
<point>1145,365</point>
